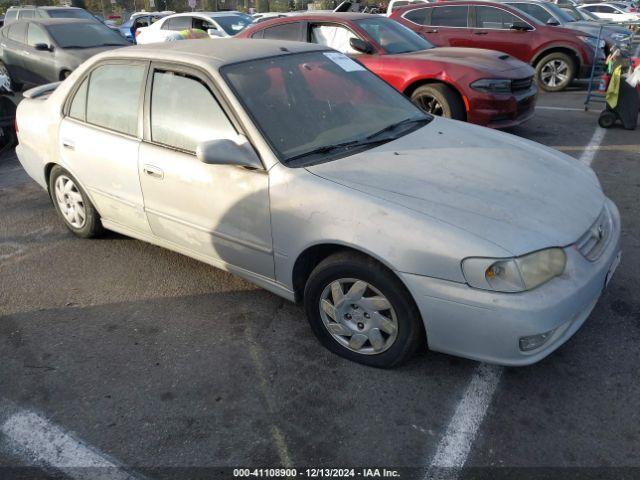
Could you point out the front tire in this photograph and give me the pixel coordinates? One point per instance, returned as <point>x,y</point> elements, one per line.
<point>15,86</point>
<point>555,72</point>
<point>73,204</point>
<point>439,100</point>
<point>359,310</point>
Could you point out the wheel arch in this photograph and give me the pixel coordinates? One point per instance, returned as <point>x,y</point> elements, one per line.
<point>412,87</point>
<point>310,257</point>
<point>575,56</point>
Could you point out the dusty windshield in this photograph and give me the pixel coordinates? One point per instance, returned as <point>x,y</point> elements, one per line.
<point>318,105</point>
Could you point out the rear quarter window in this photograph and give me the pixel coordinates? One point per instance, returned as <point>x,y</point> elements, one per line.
<point>450,16</point>
<point>419,16</point>
<point>285,31</point>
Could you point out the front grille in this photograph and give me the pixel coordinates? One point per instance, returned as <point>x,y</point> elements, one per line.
<point>593,242</point>
<point>521,84</point>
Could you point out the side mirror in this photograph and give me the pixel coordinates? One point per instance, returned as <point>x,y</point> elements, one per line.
<point>360,45</point>
<point>43,47</point>
<point>553,22</point>
<point>520,27</point>
<point>212,32</point>
<point>228,152</point>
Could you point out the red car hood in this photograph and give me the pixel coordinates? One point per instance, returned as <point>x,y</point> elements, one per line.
<point>488,61</point>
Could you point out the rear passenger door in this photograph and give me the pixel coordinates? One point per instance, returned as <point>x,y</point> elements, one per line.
<point>100,136</point>
<point>446,25</point>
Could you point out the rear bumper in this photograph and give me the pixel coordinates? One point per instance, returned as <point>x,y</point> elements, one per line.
<point>488,326</point>
<point>502,111</point>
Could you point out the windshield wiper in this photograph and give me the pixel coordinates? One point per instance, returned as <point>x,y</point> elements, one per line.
<point>395,126</point>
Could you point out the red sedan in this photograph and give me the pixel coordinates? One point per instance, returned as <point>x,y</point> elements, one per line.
<point>480,86</point>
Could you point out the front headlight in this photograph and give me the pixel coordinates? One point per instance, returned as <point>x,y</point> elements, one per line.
<point>592,41</point>
<point>492,85</point>
<point>514,274</point>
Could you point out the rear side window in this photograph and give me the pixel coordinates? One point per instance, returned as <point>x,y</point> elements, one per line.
<point>78,108</point>
<point>10,16</point>
<point>419,16</point>
<point>286,31</point>
<point>18,32</point>
<point>185,113</point>
<point>114,96</point>
<point>177,24</point>
<point>495,18</point>
<point>27,14</point>
<point>36,35</point>
<point>453,16</point>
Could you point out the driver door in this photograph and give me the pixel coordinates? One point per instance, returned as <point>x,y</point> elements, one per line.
<point>218,213</point>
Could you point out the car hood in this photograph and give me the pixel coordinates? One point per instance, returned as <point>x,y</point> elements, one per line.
<point>512,192</point>
<point>592,28</point>
<point>83,54</point>
<point>488,61</point>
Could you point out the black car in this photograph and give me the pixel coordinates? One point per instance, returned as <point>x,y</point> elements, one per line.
<point>47,50</point>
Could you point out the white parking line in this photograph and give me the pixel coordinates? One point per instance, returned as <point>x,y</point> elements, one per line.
<point>47,445</point>
<point>455,445</point>
<point>592,147</point>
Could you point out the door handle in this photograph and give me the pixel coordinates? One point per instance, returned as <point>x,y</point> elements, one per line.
<point>434,30</point>
<point>480,33</point>
<point>153,171</point>
<point>25,52</point>
<point>68,144</point>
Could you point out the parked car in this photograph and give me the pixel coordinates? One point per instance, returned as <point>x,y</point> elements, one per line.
<point>30,12</point>
<point>296,168</point>
<point>138,20</point>
<point>551,14</point>
<point>47,50</point>
<point>480,86</point>
<point>559,55</point>
<point>216,24</point>
<point>613,12</point>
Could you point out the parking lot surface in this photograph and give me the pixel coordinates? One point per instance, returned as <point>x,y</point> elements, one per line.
<point>150,360</point>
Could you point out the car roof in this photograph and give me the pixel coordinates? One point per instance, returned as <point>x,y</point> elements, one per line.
<point>56,21</point>
<point>215,53</point>
<point>206,14</point>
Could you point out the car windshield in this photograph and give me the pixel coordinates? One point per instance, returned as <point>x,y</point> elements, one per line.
<point>572,12</point>
<point>314,107</point>
<point>71,13</point>
<point>84,35</point>
<point>232,24</point>
<point>393,37</point>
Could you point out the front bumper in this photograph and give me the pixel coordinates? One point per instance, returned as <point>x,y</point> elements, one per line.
<point>502,111</point>
<point>487,326</point>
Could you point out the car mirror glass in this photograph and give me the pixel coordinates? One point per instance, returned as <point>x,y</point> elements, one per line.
<point>360,45</point>
<point>227,151</point>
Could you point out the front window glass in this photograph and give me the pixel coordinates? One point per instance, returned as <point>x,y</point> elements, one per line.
<point>286,31</point>
<point>232,24</point>
<point>392,36</point>
<point>185,113</point>
<point>333,36</point>
<point>495,18</point>
<point>313,107</point>
<point>84,35</point>
<point>36,35</point>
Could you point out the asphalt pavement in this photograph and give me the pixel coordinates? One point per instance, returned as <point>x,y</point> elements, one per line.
<point>116,351</point>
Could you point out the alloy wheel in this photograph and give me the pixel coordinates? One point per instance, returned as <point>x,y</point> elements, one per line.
<point>358,316</point>
<point>430,104</point>
<point>70,201</point>
<point>554,73</point>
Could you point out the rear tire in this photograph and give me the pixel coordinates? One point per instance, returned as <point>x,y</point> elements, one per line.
<point>361,311</point>
<point>15,86</point>
<point>73,205</point>
<point>555,72</point>
<point>440,100</point>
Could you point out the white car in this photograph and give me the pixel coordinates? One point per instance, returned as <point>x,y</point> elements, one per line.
<point>295,167</point>
<point>615,12</point>
<point>216,24</point>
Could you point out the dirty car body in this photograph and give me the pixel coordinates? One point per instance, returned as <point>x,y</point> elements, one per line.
<point>321,183</point>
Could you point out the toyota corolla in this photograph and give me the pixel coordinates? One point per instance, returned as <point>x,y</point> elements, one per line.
<point>293,166</point>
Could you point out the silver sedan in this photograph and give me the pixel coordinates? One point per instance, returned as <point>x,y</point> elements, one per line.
<point>296,168</point>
